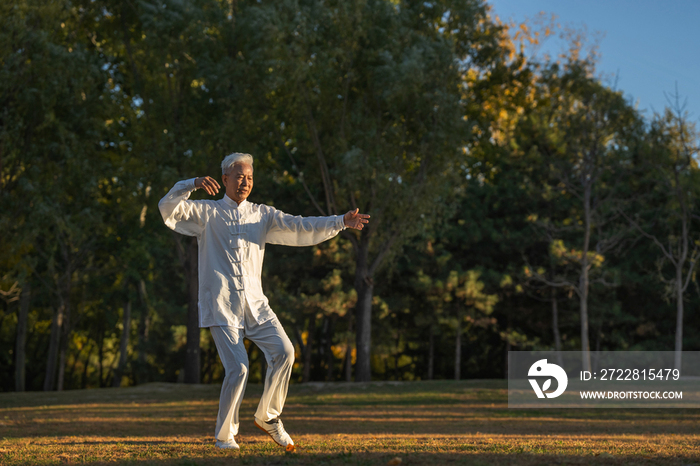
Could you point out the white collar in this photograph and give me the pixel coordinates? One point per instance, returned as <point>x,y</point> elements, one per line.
<point>233,203</point>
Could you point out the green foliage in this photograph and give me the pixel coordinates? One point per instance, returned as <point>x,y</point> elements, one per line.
<point>471,158</point>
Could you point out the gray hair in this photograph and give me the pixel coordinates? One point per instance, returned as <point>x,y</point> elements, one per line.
<point>232,159</point>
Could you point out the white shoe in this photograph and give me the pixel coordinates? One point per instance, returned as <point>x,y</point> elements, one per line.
<point>275,429</point>
<point>227,445</point>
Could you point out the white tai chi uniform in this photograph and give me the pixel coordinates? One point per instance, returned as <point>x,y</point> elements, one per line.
<point>231,239</point>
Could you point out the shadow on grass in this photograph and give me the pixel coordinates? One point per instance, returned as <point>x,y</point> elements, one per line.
<point>376,459</point>
<point>135,443</point>
<point>299,421</point>
<point>443,391</point>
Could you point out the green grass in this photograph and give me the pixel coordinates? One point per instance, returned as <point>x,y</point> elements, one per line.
<point>433,423</point>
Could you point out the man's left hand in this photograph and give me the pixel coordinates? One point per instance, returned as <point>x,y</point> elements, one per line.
<point>356,220</point>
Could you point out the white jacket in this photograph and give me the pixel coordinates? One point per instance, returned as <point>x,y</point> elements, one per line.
<point>232,240</point>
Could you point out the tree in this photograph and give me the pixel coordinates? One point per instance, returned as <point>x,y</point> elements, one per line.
<point>20,347</point>
<point>172,61</point>
<point>52,99</point>
<point>368,115</point>
<point>583,133</point>
<point>671,177</point>
<point>468,289</point>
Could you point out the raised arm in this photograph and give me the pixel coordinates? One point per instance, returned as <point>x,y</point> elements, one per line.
<point>293,230</point>
<point>180,214</point>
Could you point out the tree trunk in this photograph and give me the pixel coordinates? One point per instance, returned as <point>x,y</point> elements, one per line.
<point>76,360</point>
<point>63,353</point>
<point>66,331</point>
<point>509,326</point>
<point>308,348</point>
<point>555,321</point>
<point>54,342</point>
<point>397,352</point>
<point>677,360</point>
<point>330,360</point>
<point>100,365</point>
<point>585,345</point>
<point>192,363</point>
<point>144,325</point>
<point>555,327</point>
<point>364,286</point>
<point>584,282</point>
<point>363,338</point>
<point>458,348</point>
<point>83,377</point>
<point>596,353</point>
<point>124,343</point>
<point>100,354</point>
<point>21,344</point>
<point>348,352</point>
<point>431,353</point>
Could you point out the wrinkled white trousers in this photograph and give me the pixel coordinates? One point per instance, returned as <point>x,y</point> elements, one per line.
<point>272,340</point>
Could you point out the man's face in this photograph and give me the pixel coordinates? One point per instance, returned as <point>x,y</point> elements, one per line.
<point>239,182</point>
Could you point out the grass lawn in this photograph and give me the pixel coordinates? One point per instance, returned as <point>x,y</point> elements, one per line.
<point>407,423</point>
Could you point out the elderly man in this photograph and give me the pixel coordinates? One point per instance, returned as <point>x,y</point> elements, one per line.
<point>232,234</point>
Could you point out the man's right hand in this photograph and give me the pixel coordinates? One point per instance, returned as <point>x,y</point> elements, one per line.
<point>208,183</point>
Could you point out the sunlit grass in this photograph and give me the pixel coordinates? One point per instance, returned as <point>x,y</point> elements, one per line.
<point>358,424</point>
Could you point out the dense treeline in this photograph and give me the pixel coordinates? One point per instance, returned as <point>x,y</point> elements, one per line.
<point>516,203</point>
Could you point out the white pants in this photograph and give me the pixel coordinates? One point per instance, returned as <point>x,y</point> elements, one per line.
<point>279,353</point>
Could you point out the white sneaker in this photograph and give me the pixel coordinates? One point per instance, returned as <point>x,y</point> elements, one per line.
<point>275,429</point>
<point>228,445</point>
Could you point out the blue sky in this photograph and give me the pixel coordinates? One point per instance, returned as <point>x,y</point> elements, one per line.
<point>650,45</point>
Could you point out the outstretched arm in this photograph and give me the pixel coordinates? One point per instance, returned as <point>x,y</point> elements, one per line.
<point>292,230</point>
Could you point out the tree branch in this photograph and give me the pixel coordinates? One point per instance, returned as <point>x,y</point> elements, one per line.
<point>691,266</point>
<point>556,284</point>
<point>601,280</point>
<point>666,253</point>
